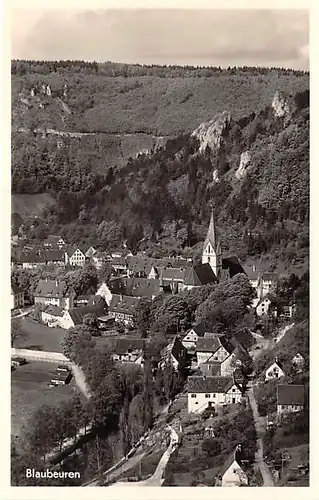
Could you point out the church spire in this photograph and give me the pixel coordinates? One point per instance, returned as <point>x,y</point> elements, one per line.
<point>211,233</point>
<point>211,251</point>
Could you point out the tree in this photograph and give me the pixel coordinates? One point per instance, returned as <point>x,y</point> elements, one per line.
<point>17,331</point>
<point>142,315</point>
<point>91,321</point>
<point>211,447</point>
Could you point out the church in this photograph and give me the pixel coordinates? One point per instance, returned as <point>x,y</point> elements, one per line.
<point>222,267</point>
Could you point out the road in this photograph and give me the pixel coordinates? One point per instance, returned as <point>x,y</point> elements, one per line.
<point>260,430</point>
<point>157,478</point>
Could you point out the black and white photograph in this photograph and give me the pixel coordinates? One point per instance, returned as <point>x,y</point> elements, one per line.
<point>160,201</point>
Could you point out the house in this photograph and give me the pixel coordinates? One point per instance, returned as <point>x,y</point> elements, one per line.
<point>290,398</point>
<point>197,276</point>
<point>230,267</point>
<point>253,275</point>
<point>122,308</point>
<point>54,241</point>
<point>75,316</point>
<point>289,311</point>
<point>274,371</point>
<point>119,265</point>
<point>90,252</point>
<point>174,353</point>
<point>206,392</point>
<point>98,259</point>
<point>238,357</point>
<point>90,299</point>
<point>56,257</point>
<point>267,283</point>
<point>298,360</point>
<point>56,293</point>
<point>52,316</point>
<point>192,336</point>
<point>263,306</point>
<point>234,475</point>
<point>135,287</point>
<point>173,278</point>
<point>31,260</point>
<point>17,297</point>
<point>105,292</point>
<point>75,257</point>
<point>213,348</point>
<point>129,350</point>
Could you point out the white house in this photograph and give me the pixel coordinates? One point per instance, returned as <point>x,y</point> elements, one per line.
<point>105,292</point>
<point>234,476</point>
<point>290,398</point>
<point>298,360</point>
<point>55,293</point>
<point>75,257</point>
<point>274,371</point>
<point>214,348</point>
<point>263,306</point>
<point>192,336</point>
<point>206,392</point>
<point>267,283</point>
<point>17,297</point>
<point>90,252</point>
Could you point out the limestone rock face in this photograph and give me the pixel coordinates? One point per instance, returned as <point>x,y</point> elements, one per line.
<point>280,106</point>
<point>210,133</point>
<point>245,163</point>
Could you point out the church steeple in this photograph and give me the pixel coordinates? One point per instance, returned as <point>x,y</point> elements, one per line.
<point>211,250</point>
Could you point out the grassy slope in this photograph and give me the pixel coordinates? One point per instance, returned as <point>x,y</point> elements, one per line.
<point>29,391</point>
<point>28,205</point>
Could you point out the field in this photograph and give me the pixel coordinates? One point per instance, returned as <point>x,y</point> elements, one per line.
<point>40,337</point>
<point>30,390</point>
<point>30,205</point>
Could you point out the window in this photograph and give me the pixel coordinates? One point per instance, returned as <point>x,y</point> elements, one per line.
<point>193,396</point>
<point>234,390</point>
<point>207,395</point>
<point>214,395</point>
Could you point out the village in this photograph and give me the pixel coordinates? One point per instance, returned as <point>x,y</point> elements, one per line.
<point>220,371</point>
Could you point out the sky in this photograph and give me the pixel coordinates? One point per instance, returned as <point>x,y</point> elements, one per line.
<point>164,36</point>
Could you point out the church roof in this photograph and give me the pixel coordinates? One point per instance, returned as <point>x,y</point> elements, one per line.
<point>211,233</point>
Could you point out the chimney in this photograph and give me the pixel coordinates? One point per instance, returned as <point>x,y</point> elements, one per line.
<point>121,298</point>
<point>254,268</point>
<point>56,283</point>
<point>276,359</point>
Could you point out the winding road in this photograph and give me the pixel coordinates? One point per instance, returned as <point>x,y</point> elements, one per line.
<point>157,479</point>
<point>260,430</point>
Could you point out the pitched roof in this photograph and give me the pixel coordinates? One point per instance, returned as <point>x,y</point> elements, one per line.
<point>54,311</point>
<point>125,345</point>
<point>32,257</point>
<point>290,394</point>
<point>72,249</point>
<point>15,289</point>
<point>252,274</point>
<point>173,274</point>
<point>233,265</point>
<point>199,275</point>
<point>270,276</point>
<point>77,314</point>
<point>136,287</point>
<point>123,304</point>
<point>175,347</point>
<point>209,384</point>
<point>211,233</point>
<point>244,338</point>
<point>208,344</point>
<point>51,288</point>
<point>241,354</point>
<point>53,239</point>
<point>54,255</point>
<point>199,329</point>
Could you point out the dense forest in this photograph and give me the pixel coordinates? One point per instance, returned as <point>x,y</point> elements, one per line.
<point>166,195</point>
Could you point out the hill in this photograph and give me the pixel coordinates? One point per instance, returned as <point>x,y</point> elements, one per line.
<point>250,162</point>
<point>30,205</point>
